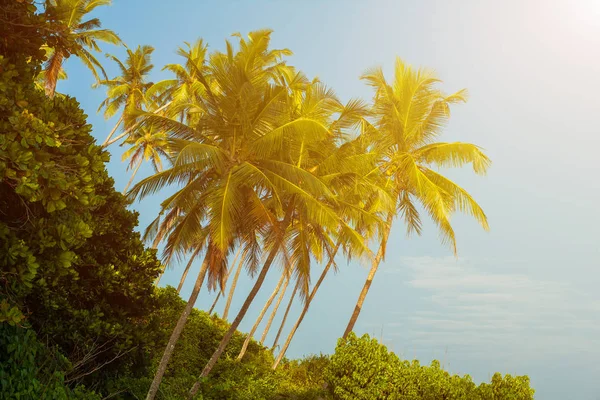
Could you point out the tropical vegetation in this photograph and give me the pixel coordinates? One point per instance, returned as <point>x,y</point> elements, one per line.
<point>270,174</point>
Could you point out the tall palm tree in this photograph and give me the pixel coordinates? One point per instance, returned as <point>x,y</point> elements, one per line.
<point>74,35</point>
<point>361,194</point>
<point>127,92</point>
<point>239,187</point>
<point>408,116</point>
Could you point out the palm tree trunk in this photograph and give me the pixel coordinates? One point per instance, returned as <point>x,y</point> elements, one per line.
<point>305,308</point>
<point>285,315</point>
<point>367,285</point>
<point>52,72</point>
<point>133,175</point>
<point>274,312</point>
<point>187,269</point>
<point>113,130</point>
<point>214,304</point>
<point>261,315</point>
<point>236,322</point>
<point>232,289</point>
<point>226,279</point>
<point>177,332</point>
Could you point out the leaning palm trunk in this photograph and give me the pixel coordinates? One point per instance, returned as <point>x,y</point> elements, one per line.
<point>236,322</point>
<point>274,312</point>
<point>305,309</point>
<point>162,366</point>
<point>187,269</point>
<point>113,130</point>
<point>367,285</point>
<point>261,315</point>
<point>232,289</point>
<point>285,315</point>
<point>133,175</point>
<point>214,304</point>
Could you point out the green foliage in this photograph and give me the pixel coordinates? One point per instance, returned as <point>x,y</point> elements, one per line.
<point>30,370</point>
<point>361,368</point>
<point>72,267</point>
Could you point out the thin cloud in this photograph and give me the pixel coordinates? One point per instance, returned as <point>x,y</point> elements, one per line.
<point>478,307</point>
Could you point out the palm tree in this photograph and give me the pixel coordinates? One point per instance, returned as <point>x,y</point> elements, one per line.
<point>238,186</point>
<point>361,198</point>
<point>408,116</point>
<point>74,35</point>
<point>147,145</point>
<point>127,92</point>
<point>311,223</point>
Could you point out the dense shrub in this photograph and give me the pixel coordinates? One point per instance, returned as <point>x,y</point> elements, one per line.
<point>361,368</point>
<point>30,370</point>
<point>71,265</point>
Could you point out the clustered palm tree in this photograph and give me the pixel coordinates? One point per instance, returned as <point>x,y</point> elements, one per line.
<point>271,165</point>
<point>270,169</point>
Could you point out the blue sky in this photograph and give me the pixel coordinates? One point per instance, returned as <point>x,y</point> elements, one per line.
<point>521,299</point>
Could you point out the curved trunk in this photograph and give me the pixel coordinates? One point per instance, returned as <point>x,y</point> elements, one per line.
<point>113,130</point>
<point>285,315</point>
<point>305,309</point>
<point>261,315</point>
<point>187,269</point>
<point>367,285</point>
<point>234,325</point>
<point>274,312</point>
<point>162,366</point>
<point>232,289</point>
<point>210,311</point>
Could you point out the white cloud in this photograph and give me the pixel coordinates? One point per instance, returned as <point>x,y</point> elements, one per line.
<point>477,307</point>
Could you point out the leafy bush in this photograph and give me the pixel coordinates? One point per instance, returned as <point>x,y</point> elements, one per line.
<point>361,368</point>
<point>71,265</point>
<point>29,370</point>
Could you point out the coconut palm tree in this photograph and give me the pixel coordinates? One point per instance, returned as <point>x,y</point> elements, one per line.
<point>238,186</point>
<point>408,116</point>
<point>147,144</point>
<point>127,92</point>
<point>74,35</point>
<point>311,223</point>
<point>361,195</point>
